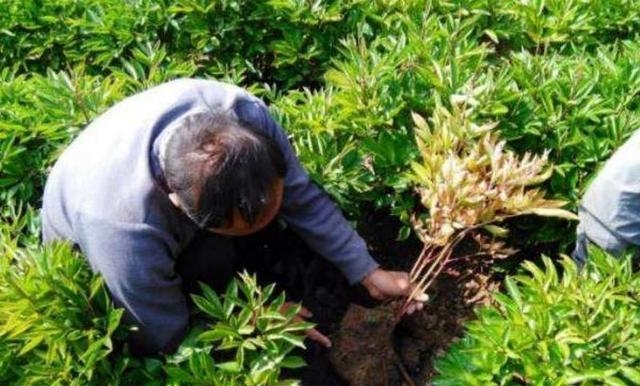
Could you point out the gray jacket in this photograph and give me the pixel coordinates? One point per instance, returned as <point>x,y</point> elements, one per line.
<point>610,209</point>
<point>103,196</point>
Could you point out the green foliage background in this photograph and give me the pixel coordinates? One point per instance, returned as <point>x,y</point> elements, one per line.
<point>554,328</point>
<point>341,76</point>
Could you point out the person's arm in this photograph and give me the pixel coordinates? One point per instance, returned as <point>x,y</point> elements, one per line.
<point>307,208</point>
<point>135,262</point>
<point>312,214</point>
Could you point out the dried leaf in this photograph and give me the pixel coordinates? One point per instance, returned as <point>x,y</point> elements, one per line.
<point>552,212</point>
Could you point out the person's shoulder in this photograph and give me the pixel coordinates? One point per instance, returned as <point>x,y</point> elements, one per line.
<point>139,201</point>
<point>148,218</point>
<point>205,85</point>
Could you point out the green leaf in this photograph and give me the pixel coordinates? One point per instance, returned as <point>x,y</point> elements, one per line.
<point>293,362</point>
<point>603,331</point>
<point>231,367</point>
<point>31,344</point>
<point>210,308</point>
<point>514,292</point>
<point>496,230</point>
<point>613,381</point>
<point>246,330</point>
<point>492,35</point>
<point>292,339</point>
<point>631,374</point>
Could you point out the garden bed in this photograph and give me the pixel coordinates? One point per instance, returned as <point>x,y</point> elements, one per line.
<point>350,317</point>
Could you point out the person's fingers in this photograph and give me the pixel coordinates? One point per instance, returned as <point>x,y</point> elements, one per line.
<point>305,313</point>
<point>382,284</point>
<point>414,307</point>
<point>317,336</point>
<point>421,297</point>
<point>391,283</point>
<point>312,334</point>
<point>402,285</point>
<point>377,294</point>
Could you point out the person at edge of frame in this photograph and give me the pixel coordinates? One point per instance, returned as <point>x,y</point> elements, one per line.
<point>609,211</point>
<point>154,190</point>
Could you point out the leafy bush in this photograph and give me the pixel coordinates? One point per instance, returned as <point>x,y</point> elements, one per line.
<point>38,115</point>
<point>578,103</point>
<point>367,102</point>
<point>53,35</point>
<point>554,328</point>
<point>543,24</point>
<point>580,107</point>
<point>286,42</point>
<point>248,330</point>
<point>57,325</point>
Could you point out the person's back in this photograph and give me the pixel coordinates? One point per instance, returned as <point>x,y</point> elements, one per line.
<point>610,209</point>
<point>106,173</point>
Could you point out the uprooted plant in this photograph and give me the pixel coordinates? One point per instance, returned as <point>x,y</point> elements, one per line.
<point>467,182</point>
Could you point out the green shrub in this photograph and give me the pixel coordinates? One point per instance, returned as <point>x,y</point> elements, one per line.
<point>286,42</point>
<point>554,328</point>
<point>580,107</point>
<point>246,328</point>
<point>41,35</point>
<point>541,25</point>
<point>41,114</point>
<point>57,325</point>
<point>38,115</point>
<point>355,135</point>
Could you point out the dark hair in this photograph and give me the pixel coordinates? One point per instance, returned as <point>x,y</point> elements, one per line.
<point>215,165</point>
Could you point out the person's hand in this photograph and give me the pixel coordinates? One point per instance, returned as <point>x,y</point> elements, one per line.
<point>382,284</point>
<point>312,334</point>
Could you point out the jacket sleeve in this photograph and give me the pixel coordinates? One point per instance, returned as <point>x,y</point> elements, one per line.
<point>136,264</point>
<point>308,209</point>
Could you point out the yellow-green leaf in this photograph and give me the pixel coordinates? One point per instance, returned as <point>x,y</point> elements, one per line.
<point>552,212</point>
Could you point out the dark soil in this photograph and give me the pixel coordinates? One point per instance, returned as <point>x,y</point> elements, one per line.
<point>369,348</point>
<point>363,350</point>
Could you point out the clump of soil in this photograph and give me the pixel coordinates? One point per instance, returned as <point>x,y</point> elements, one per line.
<point>372,349</point>
<point>422,337</point>
<point>363,351</point>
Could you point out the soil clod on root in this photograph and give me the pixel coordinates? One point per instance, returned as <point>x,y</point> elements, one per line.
<point>373,348</point>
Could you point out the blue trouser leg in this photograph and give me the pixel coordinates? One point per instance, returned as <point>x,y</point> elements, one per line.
<point>579,253</point>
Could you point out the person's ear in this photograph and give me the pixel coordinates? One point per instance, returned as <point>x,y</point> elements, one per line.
<point>174,200</point>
